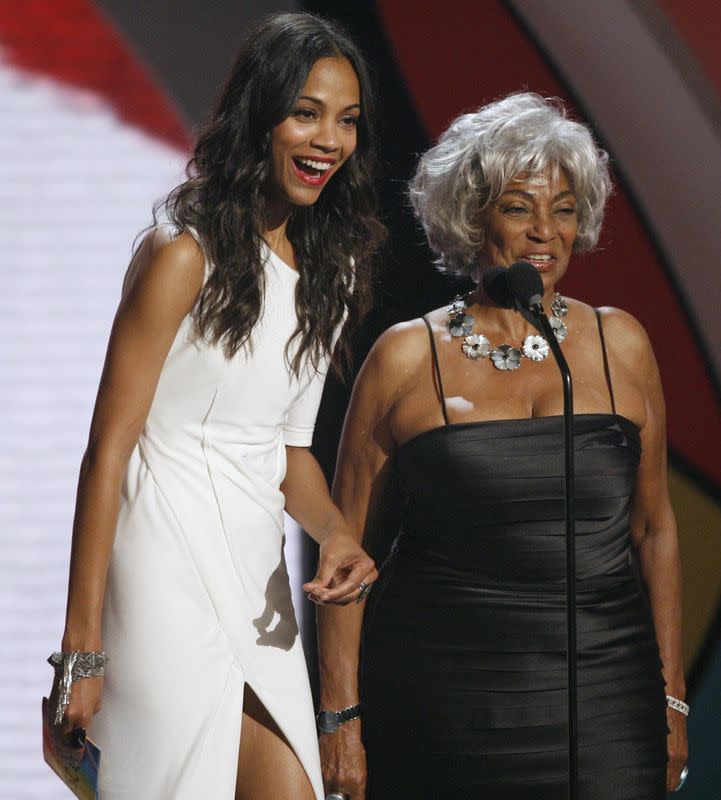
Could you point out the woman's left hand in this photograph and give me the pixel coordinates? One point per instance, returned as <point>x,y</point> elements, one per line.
<point>342,567</point>
<point>677,747</point>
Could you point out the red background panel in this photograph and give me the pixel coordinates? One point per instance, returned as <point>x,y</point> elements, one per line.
<point>71,42</point>
<point>478,53</point>
<point>699,23</point>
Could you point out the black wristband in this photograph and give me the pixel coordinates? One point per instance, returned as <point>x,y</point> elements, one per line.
<point>330,721</point>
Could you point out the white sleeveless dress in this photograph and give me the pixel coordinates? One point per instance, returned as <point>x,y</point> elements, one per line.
<point>198,601</point>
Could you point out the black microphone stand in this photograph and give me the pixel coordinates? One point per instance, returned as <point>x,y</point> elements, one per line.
<point>521,287</point>
<point>541,321</point>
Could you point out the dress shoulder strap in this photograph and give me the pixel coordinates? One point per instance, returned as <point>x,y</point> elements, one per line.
<point>606,369</point>
<point>437,369</point>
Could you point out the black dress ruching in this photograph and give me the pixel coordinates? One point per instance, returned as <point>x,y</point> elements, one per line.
<point>464,676</point>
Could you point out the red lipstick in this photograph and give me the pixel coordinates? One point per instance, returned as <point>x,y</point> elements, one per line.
<point>308,174</point>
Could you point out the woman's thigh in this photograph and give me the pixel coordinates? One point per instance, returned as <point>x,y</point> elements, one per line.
<point>268,768</point>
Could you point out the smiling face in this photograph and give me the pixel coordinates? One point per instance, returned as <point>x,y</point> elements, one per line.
<point>534,220</point>
<point>318,136</point>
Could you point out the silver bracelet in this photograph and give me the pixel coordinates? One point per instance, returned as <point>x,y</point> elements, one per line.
<point>677,705</point>
<point>71,667</point>
<point>681,778</point>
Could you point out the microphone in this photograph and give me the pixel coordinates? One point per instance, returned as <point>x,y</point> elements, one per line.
<point>525,286</point>
<point>495,285</point>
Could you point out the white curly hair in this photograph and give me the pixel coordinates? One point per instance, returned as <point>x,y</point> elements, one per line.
<point>481,153</point>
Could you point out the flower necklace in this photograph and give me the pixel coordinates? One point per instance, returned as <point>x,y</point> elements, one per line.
<point>505,356</point>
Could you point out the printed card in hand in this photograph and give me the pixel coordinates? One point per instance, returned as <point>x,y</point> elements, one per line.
<point>77,769</point>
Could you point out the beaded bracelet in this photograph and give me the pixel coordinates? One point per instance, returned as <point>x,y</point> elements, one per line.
<point>677,705</point>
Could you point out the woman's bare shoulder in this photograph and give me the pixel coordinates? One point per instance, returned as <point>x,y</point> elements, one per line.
<point>168,266</point>
<point>397,354</point>
<point>623,331</point>
<point>402,339</point>
<point>620,329</point>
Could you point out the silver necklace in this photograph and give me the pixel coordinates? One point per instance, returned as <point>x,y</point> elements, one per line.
<point>505,356</point>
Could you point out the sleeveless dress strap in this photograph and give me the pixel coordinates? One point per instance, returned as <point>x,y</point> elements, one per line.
<point>437,369</point>
<point>606,370</point>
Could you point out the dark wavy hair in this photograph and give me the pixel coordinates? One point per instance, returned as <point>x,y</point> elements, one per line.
<point>225,198</point>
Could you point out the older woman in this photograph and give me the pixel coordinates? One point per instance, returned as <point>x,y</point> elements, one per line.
<point>463,675</point>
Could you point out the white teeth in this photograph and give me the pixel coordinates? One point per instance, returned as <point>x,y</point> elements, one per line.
<point>319,165</point>
<point>539,257</point>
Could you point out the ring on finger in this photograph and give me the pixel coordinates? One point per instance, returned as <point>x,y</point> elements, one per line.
<point>363,590</point>
<point>76,738</point>
<point>336,796</point>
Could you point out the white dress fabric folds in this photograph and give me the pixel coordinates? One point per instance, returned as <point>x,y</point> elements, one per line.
<point>198,602</point>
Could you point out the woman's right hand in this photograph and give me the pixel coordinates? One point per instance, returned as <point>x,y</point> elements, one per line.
<point>343,761</point>
<point>85,702</point>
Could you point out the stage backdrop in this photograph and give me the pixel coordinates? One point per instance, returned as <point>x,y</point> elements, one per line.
<point>99,101</point>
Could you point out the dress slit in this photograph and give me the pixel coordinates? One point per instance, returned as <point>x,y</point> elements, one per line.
<point>278,725</point>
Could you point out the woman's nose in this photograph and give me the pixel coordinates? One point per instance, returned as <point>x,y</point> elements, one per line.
<point>326,136</point>
<point>542,228</point>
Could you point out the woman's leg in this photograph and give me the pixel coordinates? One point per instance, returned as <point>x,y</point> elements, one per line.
<point>268,768</point>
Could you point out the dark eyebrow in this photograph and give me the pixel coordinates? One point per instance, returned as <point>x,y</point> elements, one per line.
<point>319,102</point>
<point>531,196</point>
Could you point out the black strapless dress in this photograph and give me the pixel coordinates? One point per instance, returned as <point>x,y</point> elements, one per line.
<point>464,666</point>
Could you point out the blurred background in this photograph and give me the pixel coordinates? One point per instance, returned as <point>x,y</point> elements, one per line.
<point>99,104</point>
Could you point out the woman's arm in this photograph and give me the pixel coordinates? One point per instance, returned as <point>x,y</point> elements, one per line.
<point>160,290</point>
<point>364,466</point>
<point>343,563</point>
<point>653,525</point>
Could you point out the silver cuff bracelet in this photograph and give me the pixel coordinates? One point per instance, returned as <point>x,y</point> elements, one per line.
<point>677,705</point>
<point>71,667</point>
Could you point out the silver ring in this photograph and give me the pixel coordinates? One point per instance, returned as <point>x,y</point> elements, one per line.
<point>682,778</point>
<point>363,589</point>
<point>337,796</point>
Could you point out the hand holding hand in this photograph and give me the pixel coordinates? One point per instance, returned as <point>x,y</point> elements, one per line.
<point>342,567</point>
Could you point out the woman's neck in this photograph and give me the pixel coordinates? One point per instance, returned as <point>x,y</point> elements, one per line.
<point>504,321</point>
<point>275,233</point>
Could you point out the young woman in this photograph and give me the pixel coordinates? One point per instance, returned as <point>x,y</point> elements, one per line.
<point>200,438</point>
